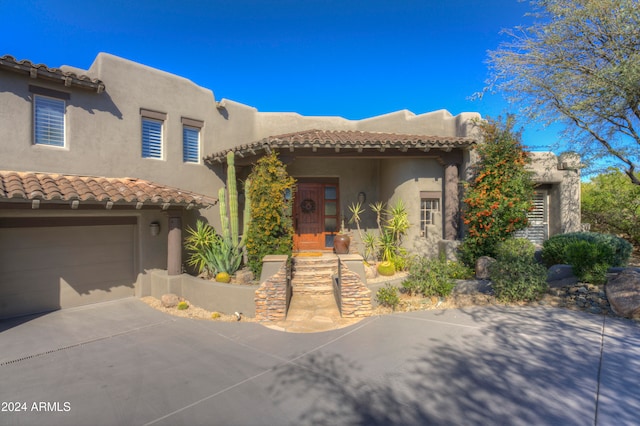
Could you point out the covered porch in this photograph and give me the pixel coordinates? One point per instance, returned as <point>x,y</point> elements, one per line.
<point>336,169</point>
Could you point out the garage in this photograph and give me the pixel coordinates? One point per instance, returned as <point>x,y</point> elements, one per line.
<point>68,240</point>
<point>54,263</point>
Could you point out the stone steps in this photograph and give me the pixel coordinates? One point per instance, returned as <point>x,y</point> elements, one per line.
<point>313,275</point>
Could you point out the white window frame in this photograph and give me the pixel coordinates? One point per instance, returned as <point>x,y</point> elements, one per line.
<point>152,134</point>
<point>53,121</point>
<point>428,212</point>
<point>195,126</point>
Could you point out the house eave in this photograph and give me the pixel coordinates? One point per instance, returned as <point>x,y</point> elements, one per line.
<point>55,75</point>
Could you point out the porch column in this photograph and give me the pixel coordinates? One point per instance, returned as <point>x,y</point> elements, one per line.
<point>451,201</point>
<point>174,246</point>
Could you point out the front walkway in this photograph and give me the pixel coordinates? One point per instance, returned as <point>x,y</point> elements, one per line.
<point>309,313</point>
<point>125,363</point>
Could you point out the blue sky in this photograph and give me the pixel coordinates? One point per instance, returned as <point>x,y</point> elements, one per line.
<point>349,58</point>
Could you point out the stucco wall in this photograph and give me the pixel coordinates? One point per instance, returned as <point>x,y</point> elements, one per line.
<point>354,175</point>
<point>404,179</point>
<point>440,123</point>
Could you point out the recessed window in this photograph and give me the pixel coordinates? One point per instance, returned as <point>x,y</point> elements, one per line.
<point>151,138</point>
<point>190,144</point>
<point>152,129</point>
<point>429,207</point>
<point>48,120</point>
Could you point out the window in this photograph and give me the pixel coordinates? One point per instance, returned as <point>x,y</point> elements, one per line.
<point>190,144</point>
<point>428,209</point>
<point>151,138</point>
<point>48,121</point>
<point>191,140</point>
<point>152,123</point>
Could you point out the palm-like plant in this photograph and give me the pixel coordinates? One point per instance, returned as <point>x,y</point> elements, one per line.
<point>198,242</point>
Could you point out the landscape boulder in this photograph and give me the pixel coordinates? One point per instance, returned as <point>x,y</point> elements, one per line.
<point>482,267</point>
<point>623,293</point>
<point>243,276</point>
<point>561,276</point>
<point>170,300</point>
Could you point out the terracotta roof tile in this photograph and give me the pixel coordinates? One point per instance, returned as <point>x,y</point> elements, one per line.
<point>67,78</point>
<point>346,140</point>
<point>127,191</point>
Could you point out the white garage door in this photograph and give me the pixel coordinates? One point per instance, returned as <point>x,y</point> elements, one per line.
<point>43,268</point>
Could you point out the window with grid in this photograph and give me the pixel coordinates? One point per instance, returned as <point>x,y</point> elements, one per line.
<point>429,207</point>
<point>48,121</point>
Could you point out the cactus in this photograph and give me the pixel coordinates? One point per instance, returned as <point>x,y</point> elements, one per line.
<point>246,217</point>
<point>233,195</point>
<point>228,201</point>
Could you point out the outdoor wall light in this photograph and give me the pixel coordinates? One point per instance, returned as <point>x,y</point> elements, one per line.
<point>154,228</point>
<point>362,197</point>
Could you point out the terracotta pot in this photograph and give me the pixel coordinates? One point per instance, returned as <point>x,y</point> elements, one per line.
<point>341,244</point>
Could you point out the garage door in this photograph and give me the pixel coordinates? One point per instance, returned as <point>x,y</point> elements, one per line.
<point>43,268</point>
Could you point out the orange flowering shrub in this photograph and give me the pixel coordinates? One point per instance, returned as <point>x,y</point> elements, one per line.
<point>500,194</point>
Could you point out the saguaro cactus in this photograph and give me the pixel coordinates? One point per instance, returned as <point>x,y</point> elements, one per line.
<point>229,213</point>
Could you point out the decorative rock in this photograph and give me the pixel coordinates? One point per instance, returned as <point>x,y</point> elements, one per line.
<point>170,300</point>
<point>244,276</point>
<point>370,271</point>
<point>482,267</point>
<point>623,293</point>
<point>561,276</point>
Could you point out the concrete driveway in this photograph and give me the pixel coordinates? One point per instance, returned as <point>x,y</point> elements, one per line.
<point>123,363</point>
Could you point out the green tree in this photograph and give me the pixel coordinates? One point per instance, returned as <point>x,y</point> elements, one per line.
<point>611,204</point>
<point>579,63</point>
<point>500,194</point>
<point>271,228</point>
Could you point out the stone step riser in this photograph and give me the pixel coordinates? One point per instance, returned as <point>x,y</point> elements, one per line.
<point>313,291</point>
<point>315,265</point>
<point>313,275</point>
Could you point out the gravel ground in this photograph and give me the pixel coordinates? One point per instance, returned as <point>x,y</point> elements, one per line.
<point>584,297</point>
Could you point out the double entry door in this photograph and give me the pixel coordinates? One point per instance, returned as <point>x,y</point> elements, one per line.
<point>316,216</point>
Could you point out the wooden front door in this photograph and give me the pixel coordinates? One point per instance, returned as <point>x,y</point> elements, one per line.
<point>315,213</point>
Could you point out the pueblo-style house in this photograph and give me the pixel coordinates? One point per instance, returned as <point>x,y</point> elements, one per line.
<point>102,169</point>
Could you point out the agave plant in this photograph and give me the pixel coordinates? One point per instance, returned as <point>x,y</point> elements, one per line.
<point>223,256</point>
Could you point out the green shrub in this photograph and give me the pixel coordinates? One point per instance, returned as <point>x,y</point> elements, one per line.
<point>590,260</point>
<point>430,277</point>
<point>271,227</point>
<point>388,296</point>
<point>182,306</point>
<point>516,249</point>
<point>554,250</point>
<point>515,275</point>
<point>459,271</point>
<point>515,281</point>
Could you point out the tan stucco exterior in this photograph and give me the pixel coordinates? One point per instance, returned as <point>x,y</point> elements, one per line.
<point>103,138</point>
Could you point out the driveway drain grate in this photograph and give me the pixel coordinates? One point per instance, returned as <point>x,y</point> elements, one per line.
<point>76,345</point>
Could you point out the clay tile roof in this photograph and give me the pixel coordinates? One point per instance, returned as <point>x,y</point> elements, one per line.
<point>67,78</point>
<point>345,140</point>
<point>19,186</point>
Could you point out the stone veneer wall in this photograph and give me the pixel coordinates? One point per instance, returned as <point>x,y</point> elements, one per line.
<point>355,296</point>
<point>271,298</point>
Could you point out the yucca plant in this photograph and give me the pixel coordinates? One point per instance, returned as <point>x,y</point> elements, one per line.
<point>199,242</point>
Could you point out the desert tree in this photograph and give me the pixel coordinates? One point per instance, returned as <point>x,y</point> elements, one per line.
<point>578,63</point>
